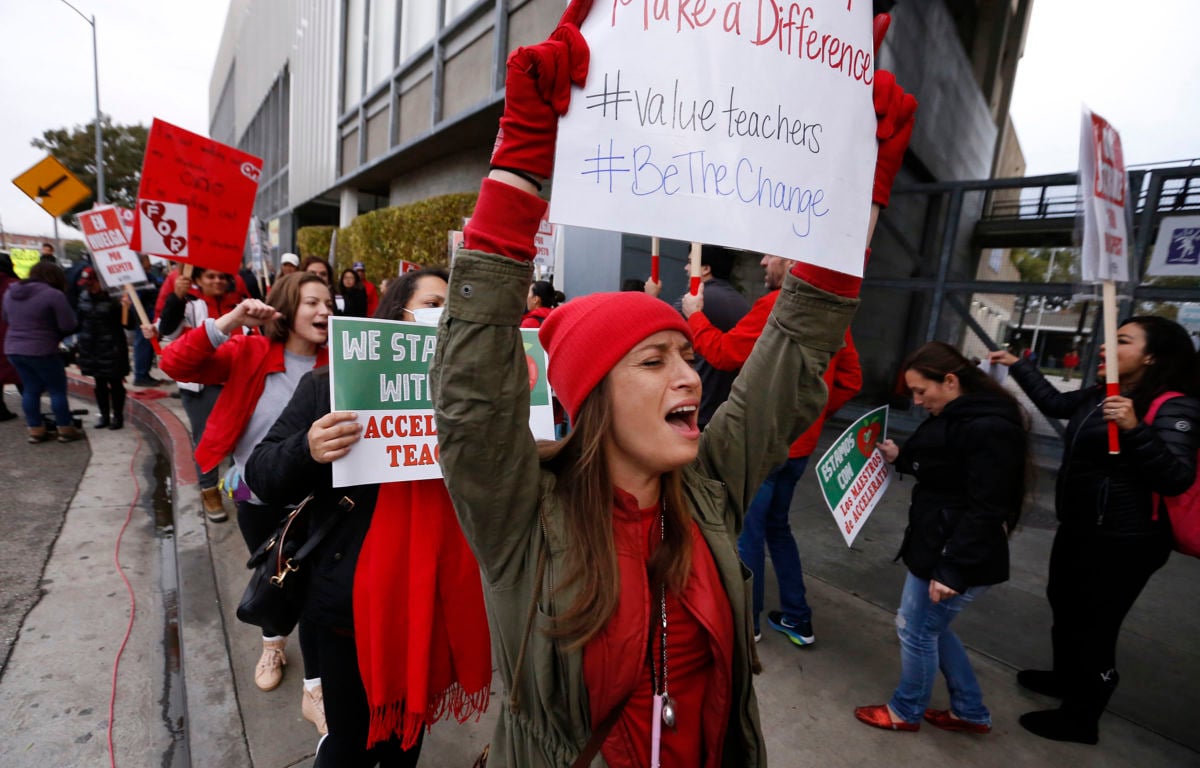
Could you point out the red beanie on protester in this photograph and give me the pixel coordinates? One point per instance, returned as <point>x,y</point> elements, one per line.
<point>587,336</point>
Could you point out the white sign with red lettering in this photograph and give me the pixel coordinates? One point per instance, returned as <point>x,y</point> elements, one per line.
<point>1103,186</point>
<point>115,263</point>
<point>744,124</point>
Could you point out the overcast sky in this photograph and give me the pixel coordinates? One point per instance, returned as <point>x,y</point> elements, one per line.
<point>1133,63</point>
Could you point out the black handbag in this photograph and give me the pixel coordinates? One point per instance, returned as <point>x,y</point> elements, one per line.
<point>275,596</point>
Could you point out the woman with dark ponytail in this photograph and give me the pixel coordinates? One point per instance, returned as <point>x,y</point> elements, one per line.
<point>541,299</point>
<point>969,461</point>
<point>1112,534</point>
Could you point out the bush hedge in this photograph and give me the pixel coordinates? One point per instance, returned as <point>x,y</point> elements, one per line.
<point>380,239</point>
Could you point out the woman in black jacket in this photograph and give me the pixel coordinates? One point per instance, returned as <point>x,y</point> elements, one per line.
<point>352,295</point>
<point>1111,537</point>
<point>969,459</point>
<point>369,721</point>
<point>103,349</point>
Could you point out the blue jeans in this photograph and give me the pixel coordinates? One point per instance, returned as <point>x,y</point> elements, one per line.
<point>927,644</point>
<point>43,373</point>
<point>143,356</point>
<point>197,406</point>
<point>767,522</point>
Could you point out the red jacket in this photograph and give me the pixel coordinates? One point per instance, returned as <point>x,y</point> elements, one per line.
<point>535,317</point>
<point>242,365</point>
<point>372,297</point>
<point>729,350</point>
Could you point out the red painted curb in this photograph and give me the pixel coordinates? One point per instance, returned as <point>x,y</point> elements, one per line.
<point>158,419</point>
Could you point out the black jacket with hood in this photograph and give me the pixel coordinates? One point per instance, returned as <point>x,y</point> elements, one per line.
<point>969,462</point>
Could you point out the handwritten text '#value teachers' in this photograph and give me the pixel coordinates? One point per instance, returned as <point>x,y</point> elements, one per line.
<point>791,28</point>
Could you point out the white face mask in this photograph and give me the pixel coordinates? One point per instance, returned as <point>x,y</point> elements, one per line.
<point>426,315</point>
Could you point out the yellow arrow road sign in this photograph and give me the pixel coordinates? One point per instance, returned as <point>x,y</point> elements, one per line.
<point>52,186</point>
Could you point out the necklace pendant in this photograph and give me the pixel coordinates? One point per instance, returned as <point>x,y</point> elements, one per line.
<point>668,711</point>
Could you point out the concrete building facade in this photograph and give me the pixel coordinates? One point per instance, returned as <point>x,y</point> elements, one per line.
<point>356,105</point>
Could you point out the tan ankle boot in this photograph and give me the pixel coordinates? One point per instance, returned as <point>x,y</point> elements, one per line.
<point>214,508</point>
<point>69,434</point>
<point>37,435</point>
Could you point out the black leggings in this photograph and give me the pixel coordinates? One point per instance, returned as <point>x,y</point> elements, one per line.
<point>1094,581</point>
<point>258,522</point>
<point>347,714</point>
<point>110,396</point>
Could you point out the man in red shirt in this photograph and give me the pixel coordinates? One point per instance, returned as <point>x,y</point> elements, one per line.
<point>368,286</point>
<point>767,519</point>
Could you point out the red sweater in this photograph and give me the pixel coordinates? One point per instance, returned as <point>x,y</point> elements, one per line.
<point>728,351</point>
<point>699,652</point>
<point>242,365</point>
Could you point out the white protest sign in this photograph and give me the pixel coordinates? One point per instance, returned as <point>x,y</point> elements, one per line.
<point>853,473</point>
<point>114,262</point>
<point>1102,184</point>
<point>1177,249</point>
<point>380,370</point>
<point>740,123</point>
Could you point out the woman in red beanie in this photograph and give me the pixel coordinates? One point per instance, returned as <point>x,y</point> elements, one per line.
<point>617,601</point>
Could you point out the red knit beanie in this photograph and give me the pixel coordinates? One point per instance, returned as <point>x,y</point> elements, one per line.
<point>587,336</point>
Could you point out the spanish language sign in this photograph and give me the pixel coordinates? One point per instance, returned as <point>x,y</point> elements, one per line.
<point>1102,183</point>
<point>195,199</point>
<point>380,370</point>
<point>853,473</point>
<point>105,237</point>
<point>1177,249</point>
<point>745,123</point>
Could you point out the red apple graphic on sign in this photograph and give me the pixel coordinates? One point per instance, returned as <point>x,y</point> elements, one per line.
<point>867,436</point>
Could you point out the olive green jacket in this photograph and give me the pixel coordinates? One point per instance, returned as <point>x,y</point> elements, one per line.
<point>509,510</point>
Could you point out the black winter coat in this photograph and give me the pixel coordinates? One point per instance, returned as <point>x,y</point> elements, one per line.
<point>1111,495</point>
<point>103,350</point>
<point>969,462</point>
<point>282,472</point>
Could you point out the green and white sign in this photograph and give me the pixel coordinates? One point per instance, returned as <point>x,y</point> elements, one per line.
<point>853,473</point>
<point>380,370</point>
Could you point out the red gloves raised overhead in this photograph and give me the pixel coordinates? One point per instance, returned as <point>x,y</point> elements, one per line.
<point>537,93</point>
<point>895,110</point>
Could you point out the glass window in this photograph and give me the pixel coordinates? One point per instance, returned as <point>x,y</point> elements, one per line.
<point>417,27</point>
<point>352,54</point>
<point>382,36</point>
<point>454,9</point>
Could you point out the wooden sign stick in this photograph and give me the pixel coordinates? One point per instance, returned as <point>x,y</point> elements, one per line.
<point>654,259</point>
<point>1112,385</point>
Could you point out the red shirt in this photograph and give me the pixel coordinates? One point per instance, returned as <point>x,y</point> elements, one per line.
<point>699,652</point>
<point>728,350</point>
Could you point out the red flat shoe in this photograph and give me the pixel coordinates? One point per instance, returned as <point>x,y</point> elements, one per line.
<point>879,717</point>
<point>942,719</point>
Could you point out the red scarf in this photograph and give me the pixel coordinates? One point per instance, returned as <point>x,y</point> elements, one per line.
<point>419,622</point>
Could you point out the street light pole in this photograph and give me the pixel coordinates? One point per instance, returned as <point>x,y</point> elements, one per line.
<point>96,70</point>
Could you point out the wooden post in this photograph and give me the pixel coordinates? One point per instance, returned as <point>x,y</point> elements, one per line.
<point>1112,385</point>
<point>694,271</point>
<point>141,313</point>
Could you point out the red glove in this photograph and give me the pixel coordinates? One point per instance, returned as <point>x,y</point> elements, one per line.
<point>537,93</point>
<point>895,110</point>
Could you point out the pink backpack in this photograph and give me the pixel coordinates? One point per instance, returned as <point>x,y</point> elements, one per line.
<point>1184,509</point>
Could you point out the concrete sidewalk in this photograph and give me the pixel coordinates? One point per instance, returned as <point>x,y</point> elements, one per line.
<point>807,696</point>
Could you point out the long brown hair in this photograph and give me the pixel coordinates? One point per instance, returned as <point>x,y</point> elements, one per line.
<point>586,493</point>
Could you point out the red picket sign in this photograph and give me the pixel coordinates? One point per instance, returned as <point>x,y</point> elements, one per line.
<point>195,199</point>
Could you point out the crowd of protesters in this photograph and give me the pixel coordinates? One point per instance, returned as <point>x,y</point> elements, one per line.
<point>603,557</point>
